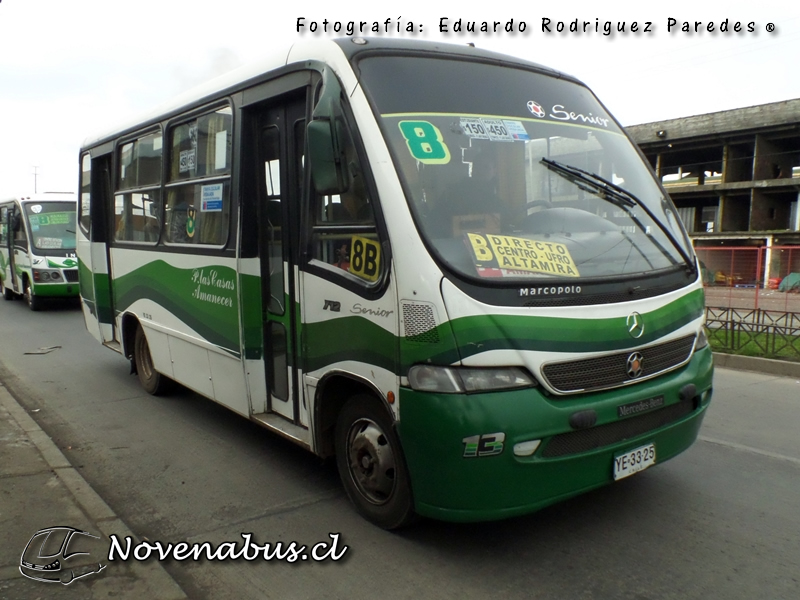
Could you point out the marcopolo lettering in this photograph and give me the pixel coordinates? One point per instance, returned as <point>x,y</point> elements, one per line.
<point>553,290</point>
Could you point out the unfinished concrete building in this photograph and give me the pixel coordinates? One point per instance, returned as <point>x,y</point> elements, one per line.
<point>734,175</point>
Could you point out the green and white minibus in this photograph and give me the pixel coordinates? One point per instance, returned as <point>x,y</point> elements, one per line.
<point>37,248</point>
<point>450,269</point>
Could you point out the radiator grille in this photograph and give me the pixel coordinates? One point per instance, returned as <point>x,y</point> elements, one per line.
<point>71,275</point>
<point>611,371</point>
<point>584,440</point>
<point>420,324</point>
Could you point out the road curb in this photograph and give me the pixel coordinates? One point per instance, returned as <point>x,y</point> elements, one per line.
<point>769,366</point>
<point>158,583</point>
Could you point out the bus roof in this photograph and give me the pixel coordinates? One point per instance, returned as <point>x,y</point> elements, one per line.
<point>44,197</point>
<point>327,50</point>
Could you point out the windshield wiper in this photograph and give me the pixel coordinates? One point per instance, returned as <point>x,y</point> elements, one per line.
<point>611,192</point>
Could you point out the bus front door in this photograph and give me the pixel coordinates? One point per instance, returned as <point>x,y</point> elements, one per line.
<point>18,248</point>
<point>278,171</point>
<point>7,234</point>
<point>13,222</point>
<point>92,248</point>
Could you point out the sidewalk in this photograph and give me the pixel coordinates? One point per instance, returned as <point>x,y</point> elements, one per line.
<point>39,489</point>
<point>782,368</point>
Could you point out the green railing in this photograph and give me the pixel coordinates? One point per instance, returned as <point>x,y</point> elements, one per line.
<point>756,332</point>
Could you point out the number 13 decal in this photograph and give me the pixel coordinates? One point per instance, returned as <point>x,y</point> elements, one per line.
<point>488,444</point>
<point>425,142</point>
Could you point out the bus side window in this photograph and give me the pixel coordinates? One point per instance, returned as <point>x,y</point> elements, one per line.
<point>136,216</point>
<point>137,203</point>
<point>337,218</point>
<point>4,225</point>
<point>273,212</point>
<point>20,236</point>
<point>85,197</point>
<point>198,205</point>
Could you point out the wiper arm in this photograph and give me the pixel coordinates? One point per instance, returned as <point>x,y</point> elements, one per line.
<point>611,192</point>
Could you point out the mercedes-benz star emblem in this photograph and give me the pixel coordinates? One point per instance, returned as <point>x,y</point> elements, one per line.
<point>635,324</point>
<point>634,365</point>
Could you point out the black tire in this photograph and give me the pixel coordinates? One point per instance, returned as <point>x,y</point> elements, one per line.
<point>371,463</point>
<point>31,299</point>
<point>152,381</point>
<point>7,293</point>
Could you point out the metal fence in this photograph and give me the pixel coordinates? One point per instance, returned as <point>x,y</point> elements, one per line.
<point>751,277</point>
<point>748,310</point>
<point>757,332</point>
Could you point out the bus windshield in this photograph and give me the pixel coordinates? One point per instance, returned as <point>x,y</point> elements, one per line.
<point>52,225</point>
<point>512,173</point>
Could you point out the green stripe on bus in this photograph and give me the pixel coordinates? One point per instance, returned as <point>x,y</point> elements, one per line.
<point>554,334</point>
<point>200,300</point>
<point>357,338</point>
<point>349,338</point>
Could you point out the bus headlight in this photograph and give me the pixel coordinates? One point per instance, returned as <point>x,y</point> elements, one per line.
<point>457,380</point>
<point>702,340</point>
<point>40,275</point>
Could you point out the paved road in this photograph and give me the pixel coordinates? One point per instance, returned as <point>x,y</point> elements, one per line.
<point>720,521</point>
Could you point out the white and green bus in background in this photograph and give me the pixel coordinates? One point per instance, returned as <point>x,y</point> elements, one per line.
<point>450,269</point>
<point>37,248</point>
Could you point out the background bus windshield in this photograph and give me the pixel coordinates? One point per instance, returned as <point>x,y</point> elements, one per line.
<point>52,225</point>
<point>469,141</point>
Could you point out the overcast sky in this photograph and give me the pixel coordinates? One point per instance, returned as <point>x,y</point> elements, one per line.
<point>71,68</point>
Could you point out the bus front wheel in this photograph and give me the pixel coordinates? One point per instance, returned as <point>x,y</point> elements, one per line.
<point>371,463</point>
<point>152,381</point>
<point>33,301</point>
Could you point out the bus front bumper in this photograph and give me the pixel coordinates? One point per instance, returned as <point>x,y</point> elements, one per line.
<point>454,480</point>
<point>56,290</point>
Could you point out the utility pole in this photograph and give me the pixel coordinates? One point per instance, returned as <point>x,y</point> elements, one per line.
<point>35,175</point>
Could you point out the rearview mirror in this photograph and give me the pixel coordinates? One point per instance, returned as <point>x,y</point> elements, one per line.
<point>327,139</point>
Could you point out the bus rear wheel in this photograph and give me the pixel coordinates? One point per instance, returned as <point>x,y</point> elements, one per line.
<point>32,300</point>
<point>152,381</point>
<point>371,463</point>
